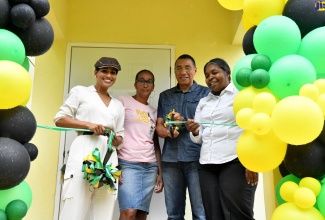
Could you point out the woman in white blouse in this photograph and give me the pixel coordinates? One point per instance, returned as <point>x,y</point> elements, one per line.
<point>227,187</point>
<point>94,109</point>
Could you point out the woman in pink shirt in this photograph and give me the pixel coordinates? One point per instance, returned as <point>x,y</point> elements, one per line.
<point>140,154</point>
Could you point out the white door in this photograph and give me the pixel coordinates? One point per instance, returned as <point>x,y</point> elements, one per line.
<point>132,58</point>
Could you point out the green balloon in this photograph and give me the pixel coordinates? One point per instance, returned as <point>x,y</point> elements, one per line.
<point>320,75</point>
<point>312,47</point>
<point>16,209</point>
<point>243,77</point>
<point>320,200</point>
<point>261,61</point>
<point>11,47</point>
<point>25,64</point>
<point>289,177</point>
<point>21,191</point>
<point>289,74</point>
<point>277,36</point>
<point>244,62</point>
<point>259,78</point>
<point>3,215</point>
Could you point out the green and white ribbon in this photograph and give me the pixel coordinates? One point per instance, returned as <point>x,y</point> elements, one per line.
<point>97,173</point>
<point>202,123</point>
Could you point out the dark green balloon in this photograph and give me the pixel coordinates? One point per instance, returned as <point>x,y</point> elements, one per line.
<point>259,78</point>
<point>243,77</point>
<point>16,209</point>
<point>261,61</point>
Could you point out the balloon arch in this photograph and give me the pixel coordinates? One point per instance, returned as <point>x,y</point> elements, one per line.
<point>23,32</point>
<point>281,103</point>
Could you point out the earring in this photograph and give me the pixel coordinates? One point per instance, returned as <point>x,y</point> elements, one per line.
<point>152,94</point>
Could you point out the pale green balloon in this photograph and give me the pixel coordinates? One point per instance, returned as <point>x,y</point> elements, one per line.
<point>21,191</point>
<point>312,47</point>
<point>11,47</point>
<point>289,74</point>
<point>277,36</point>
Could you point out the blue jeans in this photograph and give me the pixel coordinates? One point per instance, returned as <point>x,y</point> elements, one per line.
<point>177,177</point>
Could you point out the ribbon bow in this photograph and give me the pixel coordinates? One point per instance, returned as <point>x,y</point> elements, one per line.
<point>99,173</point>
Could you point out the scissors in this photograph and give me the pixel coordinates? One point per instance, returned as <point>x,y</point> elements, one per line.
<point>171,127</point>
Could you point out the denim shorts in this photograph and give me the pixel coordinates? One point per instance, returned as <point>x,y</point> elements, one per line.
<point>139,179</point>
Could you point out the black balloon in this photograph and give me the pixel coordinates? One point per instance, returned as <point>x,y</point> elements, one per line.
<point>41,7</point>
<point>304,13</point>
<point>18,1</point>
<point>283,170</point>
<point>248,44</point>
<point>4,13</point>
<point>38,38</point>
<point>321,136</point>
<point>22,15</point>
<point>32,150</point>
<point>17,123</point>
<point>306,160</point>
<point>14,163</point>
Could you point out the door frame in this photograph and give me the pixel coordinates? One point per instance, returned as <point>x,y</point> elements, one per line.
<point>66,91</point>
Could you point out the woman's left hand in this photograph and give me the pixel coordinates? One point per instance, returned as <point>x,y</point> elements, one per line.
<point>120,179</point>
<point>251,177</point>
<point>117,140</point>
<point>159,184</point>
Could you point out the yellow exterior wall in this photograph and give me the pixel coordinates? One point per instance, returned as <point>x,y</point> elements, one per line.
<point>47,95</point>
<point>200,28</point>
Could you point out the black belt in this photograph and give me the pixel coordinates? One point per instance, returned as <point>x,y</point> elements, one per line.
<point>87,133</point>
<point>90,133</point>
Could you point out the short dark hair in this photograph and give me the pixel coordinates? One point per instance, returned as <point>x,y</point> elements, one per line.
<point>220,63</point>
<point>144,70</point>
<point>186,56</point>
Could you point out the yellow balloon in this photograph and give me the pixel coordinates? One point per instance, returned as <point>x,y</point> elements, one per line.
<point>247,24</point>
<point>320,83</point>
<point>304,198</point>
<point>257,10</point>
<point>310,91</point>
<point>244,98</point>
<point>287,190</point>
<point>232,4</point>
<point>260,153</point>
<point>260,123</point>
<point>15,84</point>
<point>289,211</point>
<point>321,102</point>
<point>297,120</point>
<point>243,117</point>
<point>312,184</point>
<point>264,102</point>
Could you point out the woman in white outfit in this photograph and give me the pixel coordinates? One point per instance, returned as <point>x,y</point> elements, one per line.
<point>94,109</point>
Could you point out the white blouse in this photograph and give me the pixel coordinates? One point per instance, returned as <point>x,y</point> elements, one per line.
<point>83,103</point>
<point>218,141</point>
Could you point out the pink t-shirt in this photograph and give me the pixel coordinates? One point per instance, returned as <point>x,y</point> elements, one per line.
<point>139,126</point>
